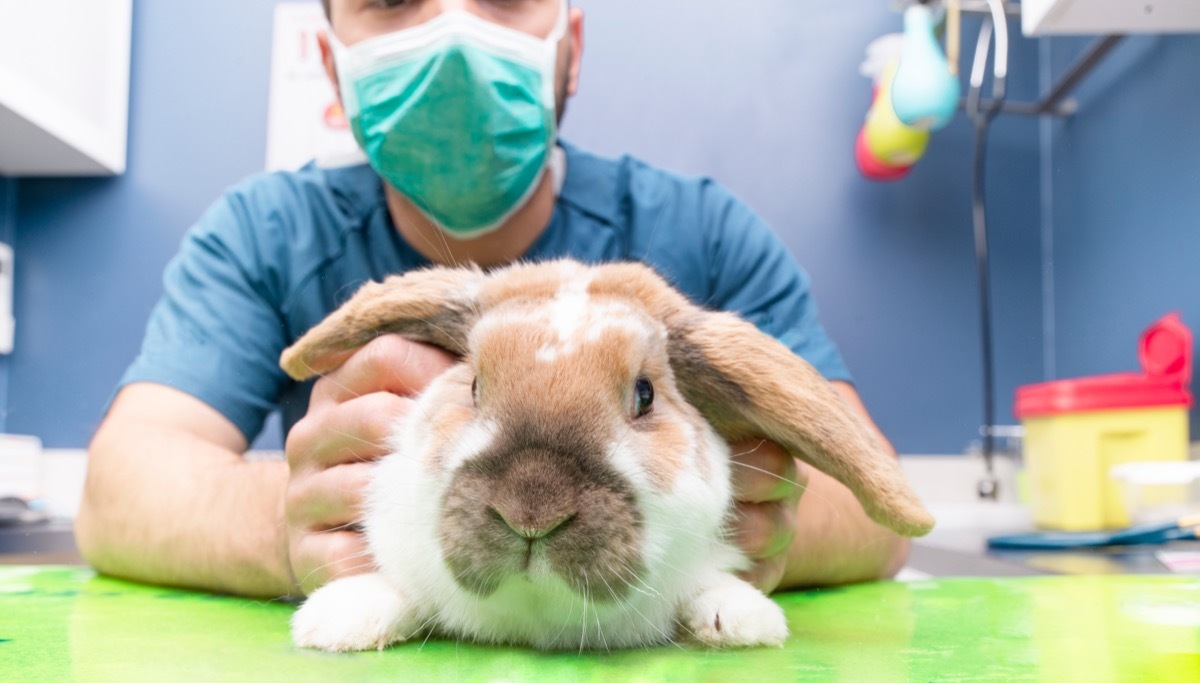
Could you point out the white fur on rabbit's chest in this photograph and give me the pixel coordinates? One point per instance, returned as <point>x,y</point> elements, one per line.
<point>685,585</point>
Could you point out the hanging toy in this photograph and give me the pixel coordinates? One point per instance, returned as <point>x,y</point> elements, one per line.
<point>885,148</point>
<point>925,91</point>
<point>887,137</point>
<point>873,168</point>
<point>916,91</point>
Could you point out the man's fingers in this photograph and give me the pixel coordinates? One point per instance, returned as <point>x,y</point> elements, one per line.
<point>353,412</point>
<point>766,575</point>
<point>358,430</point>
<point>328,499</point>
<point>388,363</point>
<point>764,529</point>
<point>762,471</point>
<point>320,557</point>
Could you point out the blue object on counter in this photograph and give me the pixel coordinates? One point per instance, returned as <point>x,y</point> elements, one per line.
<point>14,511</point>
<point>1145,534</point>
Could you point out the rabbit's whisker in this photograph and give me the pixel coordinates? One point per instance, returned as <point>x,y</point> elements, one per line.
<point>329,377</point>
<point>352,556</point>
<point>428,633</point>
<point>677,570</point>
<point>741,453</point>
<point>684,530</point>
<point>807,490</point>
<point>584,620</point>
<point>645,585</point>
<point>652,595</point>
<point>443,249</point>
<point>627,605</point>
<point>596,613</point>
<point>768,473</point>
<point>567,621</point>
<point>348,526</point>
<point>461,347</point>
<point>653,232</point>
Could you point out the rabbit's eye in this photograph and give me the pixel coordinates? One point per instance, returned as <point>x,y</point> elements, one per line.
<point>643,392</point>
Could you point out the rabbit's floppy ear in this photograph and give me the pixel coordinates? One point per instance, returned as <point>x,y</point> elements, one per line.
<point>749,385</point>
<point>437,306</point>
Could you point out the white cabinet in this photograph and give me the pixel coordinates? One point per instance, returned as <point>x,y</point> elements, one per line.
<point>64,86</point>
<point>1045,17</point>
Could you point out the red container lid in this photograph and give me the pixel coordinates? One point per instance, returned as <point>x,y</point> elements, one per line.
<point>1165,352</point>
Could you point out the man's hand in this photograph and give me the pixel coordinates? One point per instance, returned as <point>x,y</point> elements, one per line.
<point>767,485</point>
<point>351,414</point>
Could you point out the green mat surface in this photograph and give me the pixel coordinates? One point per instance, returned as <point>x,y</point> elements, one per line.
<point>66,624</point>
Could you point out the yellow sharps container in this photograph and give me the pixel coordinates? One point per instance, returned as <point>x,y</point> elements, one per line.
<point>1077,429</point>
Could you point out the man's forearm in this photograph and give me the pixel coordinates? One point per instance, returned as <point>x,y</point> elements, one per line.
<point>167,507</point>
<point>836,542</point>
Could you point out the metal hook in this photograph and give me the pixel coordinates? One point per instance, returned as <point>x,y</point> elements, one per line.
<point>995,22</point>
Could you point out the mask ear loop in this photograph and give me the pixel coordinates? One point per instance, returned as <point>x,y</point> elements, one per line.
<point>988,487</point>
<point>560,25</point>
<point>341,65</point>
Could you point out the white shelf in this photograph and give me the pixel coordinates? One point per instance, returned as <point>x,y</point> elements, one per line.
<point>64,86</point>
<point>1055,17</point>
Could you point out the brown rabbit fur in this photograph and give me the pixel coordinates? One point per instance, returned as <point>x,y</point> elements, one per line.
<point>532,495</point>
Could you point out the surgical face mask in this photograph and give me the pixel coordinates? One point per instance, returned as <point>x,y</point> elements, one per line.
<point>457,114</point>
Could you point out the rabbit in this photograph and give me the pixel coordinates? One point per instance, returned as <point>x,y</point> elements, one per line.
<point>567,485</point>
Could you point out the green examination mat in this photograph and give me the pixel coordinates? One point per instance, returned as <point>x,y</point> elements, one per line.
<point>67,624</point>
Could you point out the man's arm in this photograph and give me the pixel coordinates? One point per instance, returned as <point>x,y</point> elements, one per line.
<point>835,541</point>
<point>170,500</point>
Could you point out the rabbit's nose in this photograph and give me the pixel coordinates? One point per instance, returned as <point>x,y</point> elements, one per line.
<point>531,525</point>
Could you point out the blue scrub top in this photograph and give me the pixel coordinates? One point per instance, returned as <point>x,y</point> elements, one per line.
<point>280,251</point>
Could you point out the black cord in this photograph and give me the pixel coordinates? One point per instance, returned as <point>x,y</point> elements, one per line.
<point>982,118</point>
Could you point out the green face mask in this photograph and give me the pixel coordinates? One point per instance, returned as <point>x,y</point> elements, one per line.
<point>457,114</point>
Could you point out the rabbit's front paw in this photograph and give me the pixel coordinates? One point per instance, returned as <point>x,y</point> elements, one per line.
<point>732,613</point>
<point>361,612</point>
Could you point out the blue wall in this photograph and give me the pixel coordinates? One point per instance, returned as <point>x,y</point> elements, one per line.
<point>1126,202</point>
<point>766,99</point>
<point>8,207</point>
<point>91,251</point>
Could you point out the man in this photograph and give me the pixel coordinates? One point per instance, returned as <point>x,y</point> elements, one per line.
<point>455,103</point>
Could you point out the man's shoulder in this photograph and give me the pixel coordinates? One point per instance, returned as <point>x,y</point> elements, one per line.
<point>346,191</point>
<point>626,171</point>
<point>610,187</point>
<point>287,224</point>
<point>301,217</point>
